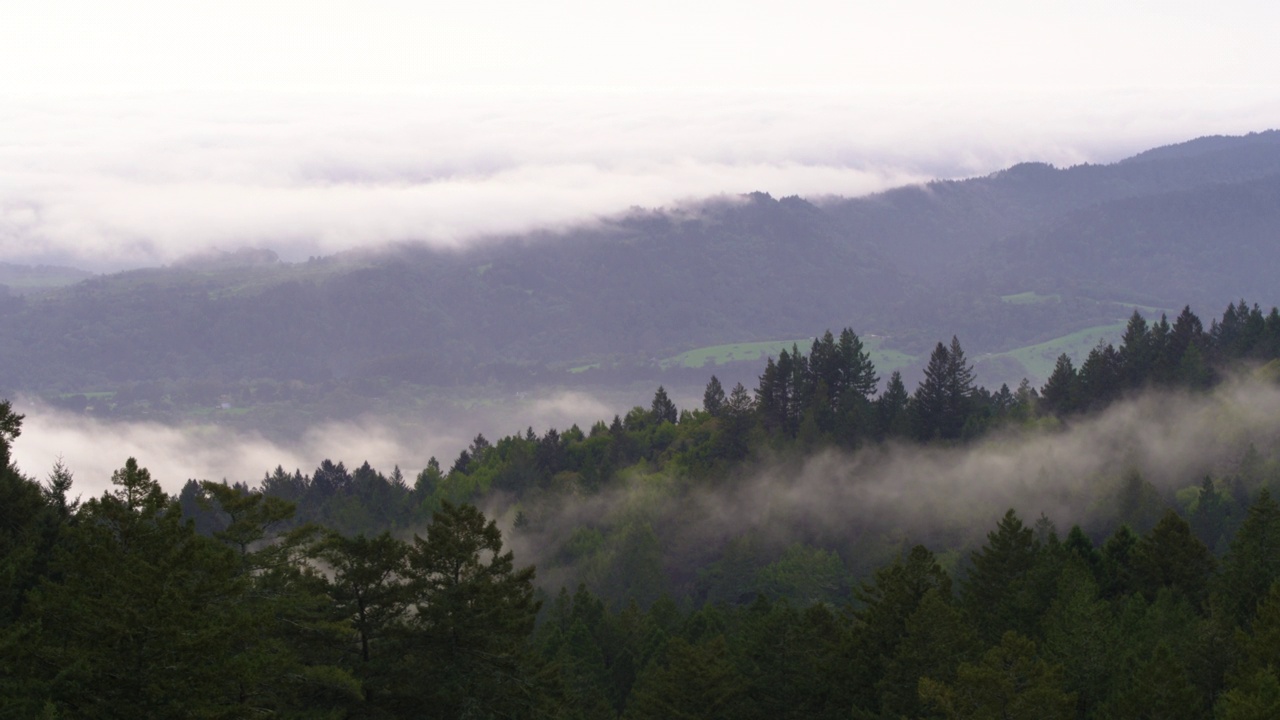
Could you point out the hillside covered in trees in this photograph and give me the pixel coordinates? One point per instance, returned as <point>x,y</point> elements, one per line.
<point>815,546</point>
<point>1021,257</point>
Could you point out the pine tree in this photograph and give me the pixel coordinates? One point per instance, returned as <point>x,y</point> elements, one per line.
<point>1060,395</point>
<point>1101,377</point>
<point>1253,562</point>
<point>1136,351</point>
<point>146,618</point>
<point>471,615</point>
<point>368,593</point>
<point>997,592</point>
<point>696,681</point>
<point>1254,684</point>
<point>713,399</point>
<point>1156,689</point>
<point>857,373</point>
<point>1009,682</point>
<point>1081,634</point>
<point>931,402</point>
<point>944,398</point>
<point>1170,556</point>
<point>662,409</point>
<point>937,639</point>
<point>892,408</point>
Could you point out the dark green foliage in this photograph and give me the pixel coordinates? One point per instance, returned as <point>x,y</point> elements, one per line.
<point>1255,681</point>
<point>138,617</point>
<point>1010,681</point>
<point>1117,563</point>
<point>1081,634</point>
<point>692,682</point>
<point>1211,517</point>
<point>663,410</point>
<point>888,601</point>
<point>471,611</point>
<point>10,429</point>
<point>999,591</point>
<point>1253,563</point>
<point>368,592</point>
<point>892,409</point>
<point>713,399</point>
<point>789,660</point>
<point>1061,394</point>
<point>1171,557</point>
<point>1101,377</point>
<point>944,398</point>
<point>1155,688</point>
<point>938,638</point>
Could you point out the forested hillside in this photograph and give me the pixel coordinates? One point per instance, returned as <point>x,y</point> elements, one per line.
<point>1025,256</point>
<point>811,547</point>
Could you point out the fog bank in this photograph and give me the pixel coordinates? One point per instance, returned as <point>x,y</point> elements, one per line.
<point>109,182</point>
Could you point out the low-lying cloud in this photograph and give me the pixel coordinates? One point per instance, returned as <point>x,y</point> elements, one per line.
<point>883,497</point>
<point>123,181</point>
<point>93,448</point>
<point>873,500</point>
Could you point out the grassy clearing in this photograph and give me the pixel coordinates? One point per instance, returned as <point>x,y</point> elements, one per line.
<point>885,360</point>
<point>734,352</point>
<point>1038,360</point>
<point>1029,298</point>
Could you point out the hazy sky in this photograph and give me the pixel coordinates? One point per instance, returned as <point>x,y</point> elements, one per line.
<point>134,132</point>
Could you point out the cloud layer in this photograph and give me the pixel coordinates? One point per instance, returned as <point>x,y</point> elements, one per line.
<point>118,181</point>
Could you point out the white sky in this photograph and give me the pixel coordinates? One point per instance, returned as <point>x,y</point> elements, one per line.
<point>133,132</point>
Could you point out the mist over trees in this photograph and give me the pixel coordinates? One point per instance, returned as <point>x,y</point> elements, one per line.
<point>680,570</point>
<point>856,526</point>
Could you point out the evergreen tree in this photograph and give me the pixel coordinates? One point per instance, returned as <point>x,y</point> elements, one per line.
<point>1081,635</point>
<point>1009,682</point>
<point>471,613</point>
<point>1155,689</point>
<point>893,595</point>
<point>662,409</point>
<point>931,402</point>
<point>142,616</point>
<point>773,396</point>
<point>695,682</point>
<point>1101,377</point>
<point>1209,518</point>
<point>1254,684</point>
<point>367,592</point>
<point>713,399</point>
<point>1137,352</point>
<point>1253,562</point>
<point>892,409</point>
<point>30,522</point>
<point>1060,395</point>
<point>998,592</point>
<point>943,400</point>
<point>1171,557</point>
<point>857,373</point>
<point>937,639</point>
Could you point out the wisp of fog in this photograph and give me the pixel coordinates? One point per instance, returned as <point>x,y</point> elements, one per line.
<point>1066,471</point>
<point>1071,473</point>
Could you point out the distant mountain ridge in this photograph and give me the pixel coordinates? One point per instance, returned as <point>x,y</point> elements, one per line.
<point>1189,223</point>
